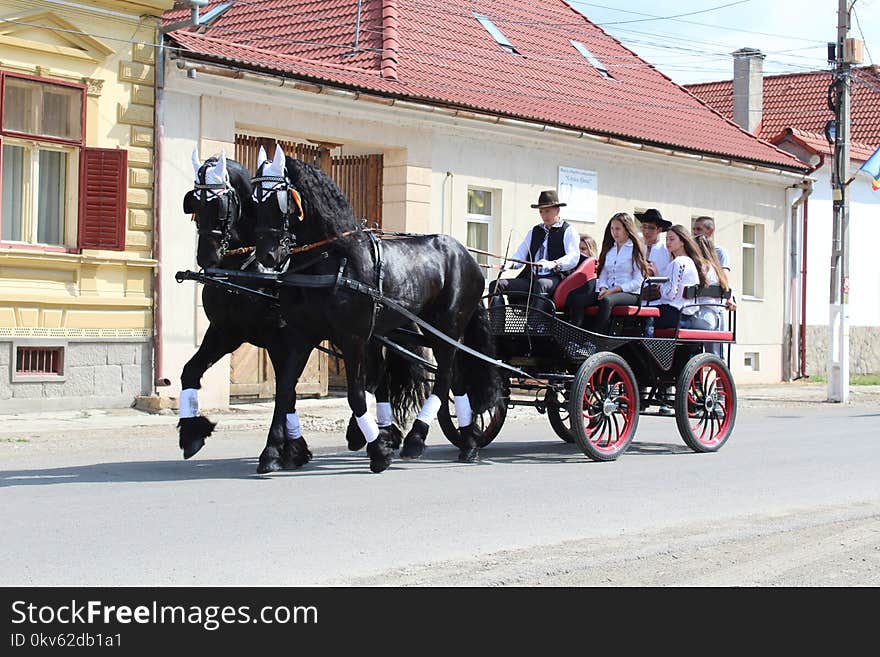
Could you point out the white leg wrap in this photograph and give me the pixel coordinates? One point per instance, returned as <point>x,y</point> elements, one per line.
<point>293,429</point>
<point>368,427</point>
<point>383,414</point>
<point>189,403</point>
<point>463,411</point>
<point>429,410</point>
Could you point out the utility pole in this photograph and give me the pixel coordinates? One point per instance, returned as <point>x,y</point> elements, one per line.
<point>838,352</point>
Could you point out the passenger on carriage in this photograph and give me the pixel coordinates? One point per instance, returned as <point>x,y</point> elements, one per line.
<point>584,295</point>
<point>711,309</point>
<point>552,245</point>
<point>687,268</point>
<point>621,269</point>
<point>653,225</point>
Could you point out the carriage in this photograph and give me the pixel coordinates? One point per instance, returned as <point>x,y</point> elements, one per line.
<point>593,387</point>
<point>332,279</point>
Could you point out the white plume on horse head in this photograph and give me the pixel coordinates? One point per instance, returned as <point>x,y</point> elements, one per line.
<point>262,157</point>
<point>217,174</point>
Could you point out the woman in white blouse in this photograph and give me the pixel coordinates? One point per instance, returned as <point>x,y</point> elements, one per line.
<point>687,268</point>
<point>621,268</point>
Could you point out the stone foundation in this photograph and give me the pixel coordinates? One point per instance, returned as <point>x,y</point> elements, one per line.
<point>95,375</point>
<point>864,350</point>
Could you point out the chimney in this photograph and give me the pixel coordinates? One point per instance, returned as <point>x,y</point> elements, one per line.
<point>390,41</point>
<point>748,88</point>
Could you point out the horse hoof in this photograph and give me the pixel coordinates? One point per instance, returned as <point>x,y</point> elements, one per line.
<point>264,467</point>
<point>380,456</point>
<point>354,436</point>
<point>414,443</point>
<point>193,431</point>
<point>295,454</point>
<point>191,448</point>
<point>468,455</point>
<point>391,436</point>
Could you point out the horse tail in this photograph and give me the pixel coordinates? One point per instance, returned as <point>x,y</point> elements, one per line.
<point>481,380</point>
<point>407,381</point>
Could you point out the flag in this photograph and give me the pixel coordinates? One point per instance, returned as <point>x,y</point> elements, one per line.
<point>872,168</point>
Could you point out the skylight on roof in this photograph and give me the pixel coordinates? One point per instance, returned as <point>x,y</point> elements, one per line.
<point>497,34</point>
<point>599,66</point>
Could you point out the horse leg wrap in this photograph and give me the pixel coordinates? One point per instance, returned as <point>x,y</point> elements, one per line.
<point>463,410</point>
<point>295,453</point>
<point>367,424</point>
<point>383,414</point>
<point>429,409</point>
<point>353,435</point>
<point>469,447</point>
<point>293,428</point>
<point>414,443</point>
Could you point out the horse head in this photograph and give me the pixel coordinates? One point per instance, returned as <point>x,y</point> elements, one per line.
<point>276,208</point>
<point>219,202</point>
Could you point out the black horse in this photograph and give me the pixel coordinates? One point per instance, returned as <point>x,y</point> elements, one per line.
<point>223,211</point>
<point>301,212</point>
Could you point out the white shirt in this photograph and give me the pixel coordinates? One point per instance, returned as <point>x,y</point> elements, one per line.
<point>619,270</point>
<point>723,258</point>
<point>661,258</point>
<point>570,240</point>
<point>682,273</point>
<point>709,309</point>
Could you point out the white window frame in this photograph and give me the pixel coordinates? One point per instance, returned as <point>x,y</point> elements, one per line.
<point>481,219</point>
<point>757,248</point>
<point>30,195</point>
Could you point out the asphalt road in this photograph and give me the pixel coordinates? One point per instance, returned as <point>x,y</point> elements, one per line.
<point>792,499</point>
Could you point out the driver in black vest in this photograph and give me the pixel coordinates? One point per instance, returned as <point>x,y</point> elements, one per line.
<point>552,245</point>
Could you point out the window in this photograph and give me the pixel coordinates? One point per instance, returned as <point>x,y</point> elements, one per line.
<point>42,137</point>
<point>752,258</point>
<point>479,222</point>
<point>751,361</point>
<point>497,34</point>
<point>38,361</point>
<point>590,57</point>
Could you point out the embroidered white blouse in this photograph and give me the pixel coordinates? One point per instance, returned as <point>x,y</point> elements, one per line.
<point>619,270</point>
<point>682,273</point>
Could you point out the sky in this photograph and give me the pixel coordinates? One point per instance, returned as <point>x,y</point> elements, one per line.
<point>696,48</point>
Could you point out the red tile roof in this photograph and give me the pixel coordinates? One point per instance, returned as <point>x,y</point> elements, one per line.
<point>446,57</point>
<point>800,101</point>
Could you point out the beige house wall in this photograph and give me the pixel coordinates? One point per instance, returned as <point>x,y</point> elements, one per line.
<point>107,47</point>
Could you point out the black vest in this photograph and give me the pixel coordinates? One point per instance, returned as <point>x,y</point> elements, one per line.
<point>555,245</point>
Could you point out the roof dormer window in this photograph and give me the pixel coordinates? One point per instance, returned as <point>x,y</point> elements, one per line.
<point>497,34</point>
<point>599,66</point>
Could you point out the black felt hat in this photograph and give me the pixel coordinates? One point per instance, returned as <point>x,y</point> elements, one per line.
<point>653,216</point>
<point>548,199</point>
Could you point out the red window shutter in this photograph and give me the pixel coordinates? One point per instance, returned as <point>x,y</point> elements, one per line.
<point>102,199</point>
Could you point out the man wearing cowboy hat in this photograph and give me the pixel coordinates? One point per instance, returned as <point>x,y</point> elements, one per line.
<point>653,224</point>
<point>552,246</point>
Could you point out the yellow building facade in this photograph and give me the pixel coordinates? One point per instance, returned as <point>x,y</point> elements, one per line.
<point>77,133</point>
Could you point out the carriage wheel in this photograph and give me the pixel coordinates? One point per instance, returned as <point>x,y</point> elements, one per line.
<point>705,403</point>
<point>558,414</point>
<point>604,406</point>
<point>488,423</point>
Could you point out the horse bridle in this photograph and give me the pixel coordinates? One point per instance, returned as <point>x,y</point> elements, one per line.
<point>287,240</point>
<point>227,197</point>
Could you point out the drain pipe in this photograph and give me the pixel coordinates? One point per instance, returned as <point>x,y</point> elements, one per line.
<point>806,188</point>
<point>443,195</point>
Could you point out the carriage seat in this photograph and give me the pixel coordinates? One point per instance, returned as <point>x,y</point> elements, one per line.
<point>578,276</point>
<point>695,334</point>
<point>627,311</point>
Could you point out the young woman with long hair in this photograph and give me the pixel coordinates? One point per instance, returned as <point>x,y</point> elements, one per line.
<point>687,268</point>
<point>711,310</point>
<point>621,270</point>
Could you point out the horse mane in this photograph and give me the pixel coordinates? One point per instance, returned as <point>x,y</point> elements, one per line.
<point>323,202</point>
<point>240,179</point>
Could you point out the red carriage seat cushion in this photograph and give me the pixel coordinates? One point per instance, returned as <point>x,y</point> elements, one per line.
<point>627,311</point>
<point>580,275</point>
<point>695,334</point>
